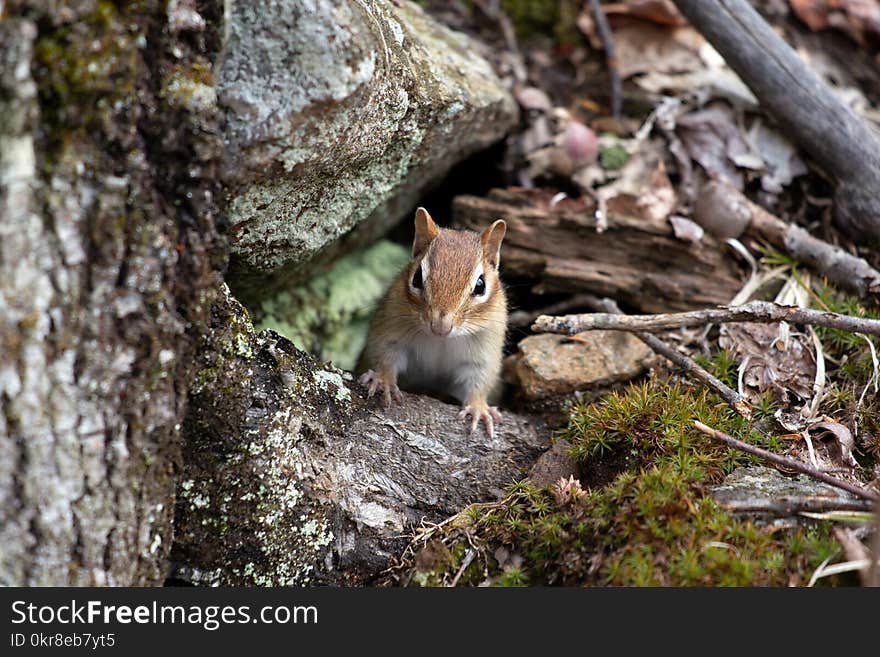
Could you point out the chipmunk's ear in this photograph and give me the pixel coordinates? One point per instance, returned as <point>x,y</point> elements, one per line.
<point>426,231</point>
<point>491,240</point>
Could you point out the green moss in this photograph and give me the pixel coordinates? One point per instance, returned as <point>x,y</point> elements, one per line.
<point>643,517</point>
<point>329,315</point>
<point>82,71</point>
<point>556,18</point>
<point>613,157</point>
<point>849,349</point>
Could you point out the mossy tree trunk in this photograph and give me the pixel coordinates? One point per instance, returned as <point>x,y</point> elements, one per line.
<point>108,251</point>
<point>135,400</point>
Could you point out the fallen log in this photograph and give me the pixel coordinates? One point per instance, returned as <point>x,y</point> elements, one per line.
<point>638,262</point>
<point>290,478</point>
<point>838,140</point>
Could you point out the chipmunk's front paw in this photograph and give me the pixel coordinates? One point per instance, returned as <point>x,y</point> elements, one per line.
<point>373,382</point>
<point>481,412</point>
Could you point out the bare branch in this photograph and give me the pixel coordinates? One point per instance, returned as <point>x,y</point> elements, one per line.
<point>735,400</point>
<point>754,311</point>
<point>720,206</point>
<point>837,138</point>
<point>604,31</point>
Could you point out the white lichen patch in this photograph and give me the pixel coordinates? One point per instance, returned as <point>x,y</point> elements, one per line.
<point>191,94</point>
<point>201,501</point>
<point>243,345</point>
<point>316,533</point>
<point>332,381</point>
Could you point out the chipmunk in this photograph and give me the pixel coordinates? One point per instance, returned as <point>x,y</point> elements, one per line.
<point>441,325</point>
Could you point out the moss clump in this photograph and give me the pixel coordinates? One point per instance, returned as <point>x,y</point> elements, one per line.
<point>849,349</point>
<point>83,72</point>
<point>556,18</point>
<point>329,315</point>
<point>613,157</point>
<point>643,516</point>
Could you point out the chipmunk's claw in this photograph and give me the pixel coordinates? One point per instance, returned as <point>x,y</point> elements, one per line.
<point>373,382</point>
<point>489,415</point>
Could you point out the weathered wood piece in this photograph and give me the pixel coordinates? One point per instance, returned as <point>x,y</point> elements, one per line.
<point>636,261</point>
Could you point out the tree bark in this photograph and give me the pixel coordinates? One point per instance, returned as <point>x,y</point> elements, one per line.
<point>108,253</point>
<point>840,141</point>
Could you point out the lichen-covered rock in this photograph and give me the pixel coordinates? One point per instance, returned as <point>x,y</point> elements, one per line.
<point>290,478</point>
<point>340,114</point>
<point>767,495</point>
<point>329,315</point>
<point>550,365</point>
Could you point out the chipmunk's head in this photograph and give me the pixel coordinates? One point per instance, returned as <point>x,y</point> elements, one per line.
<point>453,278</point>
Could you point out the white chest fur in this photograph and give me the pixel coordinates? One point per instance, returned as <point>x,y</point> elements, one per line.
<point>450,365</point>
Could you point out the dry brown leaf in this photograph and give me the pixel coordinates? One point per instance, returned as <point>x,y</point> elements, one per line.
<point>858,18</point>
<point>532,98</point>
<point>643,186</point>
<point>780,159</point>
<point>662,12</point>
<point>837,439</point>
<point>784,368</point>
<point>642,47</point>
<point>713,138</point>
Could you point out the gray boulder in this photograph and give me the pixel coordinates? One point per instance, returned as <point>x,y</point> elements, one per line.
<point>340,114</point>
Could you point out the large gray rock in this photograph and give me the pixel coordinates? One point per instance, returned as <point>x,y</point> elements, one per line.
<point>340,114</point>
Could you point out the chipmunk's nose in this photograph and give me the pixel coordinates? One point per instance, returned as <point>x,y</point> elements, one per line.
<point>441,324</point>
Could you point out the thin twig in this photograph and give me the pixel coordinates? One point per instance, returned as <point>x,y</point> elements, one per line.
<point>874,576</point>
<point>753,311</point>
<point>854,551</point>
<point>468,558</point>
<point>787,506</point>
<point>493,10</point>
<point>786,462</point>
<point>604,31</point>
<point>735,400</point>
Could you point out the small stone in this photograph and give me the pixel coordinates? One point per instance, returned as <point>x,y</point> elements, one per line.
<point>549,365</point>
<point>554,464</point>
<point>721,213</point>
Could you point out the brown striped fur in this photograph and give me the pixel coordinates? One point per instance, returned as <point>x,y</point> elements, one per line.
<point>403,338</point>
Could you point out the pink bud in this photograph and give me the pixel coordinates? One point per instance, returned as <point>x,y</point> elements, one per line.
<point>580,144</point>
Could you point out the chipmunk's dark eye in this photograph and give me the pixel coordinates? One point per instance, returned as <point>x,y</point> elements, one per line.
<point>480,286</point>
<point>417,278</point>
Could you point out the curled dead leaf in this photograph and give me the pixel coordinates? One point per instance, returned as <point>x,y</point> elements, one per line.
<point>837,438</point>
<point>532,98</point>
<point>685,229</point>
